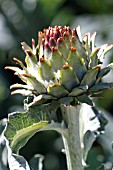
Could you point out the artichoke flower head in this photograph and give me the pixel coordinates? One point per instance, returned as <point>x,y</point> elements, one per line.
<point>64,66</point>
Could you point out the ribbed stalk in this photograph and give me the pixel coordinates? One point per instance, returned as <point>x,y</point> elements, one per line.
<point>72,138</point>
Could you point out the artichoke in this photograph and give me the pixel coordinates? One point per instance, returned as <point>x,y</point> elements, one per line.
<point>64,67</point>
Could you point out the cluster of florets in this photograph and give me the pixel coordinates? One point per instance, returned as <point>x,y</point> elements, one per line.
<point>63,66</point>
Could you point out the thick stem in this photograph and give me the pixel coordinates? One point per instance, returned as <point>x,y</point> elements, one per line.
<point>72,138</point>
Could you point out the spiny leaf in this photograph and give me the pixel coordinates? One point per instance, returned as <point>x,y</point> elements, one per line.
<point>23,92</point>
<point>31,62</point>
<point>68,78</point>
<point>101,52</point>
<point>25,46</point>
<point>78,43</point>
<point>78,33</point>
<point>40,99</point>
<point>66,100</point>
<point>78,91</point>
<point>86,40</point>
<point>45,70</point>
<point>66,37</point>
<point>92,41</point>
<point>108,48</point>
<point>57,90</point>
<point>16,69</point>
<point>104,72</point>
<point>78,64</point>
<point>94,58</point>
<point>47,52</point>
<point>62,47</point>
<point>100,87</point>
<point>57,61</point>
<point>31,56</point>
<point>35,84</point>
<point>19,62</point>
<point>23,86</point>
<point>85,99</point>
<point>90,77</point>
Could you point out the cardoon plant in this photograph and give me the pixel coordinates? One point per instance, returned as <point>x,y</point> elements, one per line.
<point>61,76</point>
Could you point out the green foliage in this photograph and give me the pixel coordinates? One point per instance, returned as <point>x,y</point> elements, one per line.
<point>20,20</point>
<point>9,161</point>
<point>22,126</point>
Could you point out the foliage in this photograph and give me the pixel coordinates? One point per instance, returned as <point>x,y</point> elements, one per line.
<point>19,21</point>
<point>19,135</point>
<point>63,72</point>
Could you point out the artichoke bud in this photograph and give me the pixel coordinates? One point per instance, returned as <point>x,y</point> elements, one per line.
<point>63,65</point>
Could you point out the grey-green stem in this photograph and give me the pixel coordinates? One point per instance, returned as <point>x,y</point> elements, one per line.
<point>71,139</point>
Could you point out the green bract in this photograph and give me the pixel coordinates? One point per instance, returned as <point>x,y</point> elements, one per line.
<point>63,66</point>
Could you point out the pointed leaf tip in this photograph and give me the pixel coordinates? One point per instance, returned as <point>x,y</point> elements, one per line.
<point>25,46</point>
<point>77,63</point>
<point>57,90</point>
<point>23,92</point>
<point>85,99</point>
<point>68,77</point>
<point>90,77</point>
<point>78,31</point>
<point>108,48</point>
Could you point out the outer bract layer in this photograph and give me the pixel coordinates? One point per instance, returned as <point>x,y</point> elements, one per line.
<point>63,66</point>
